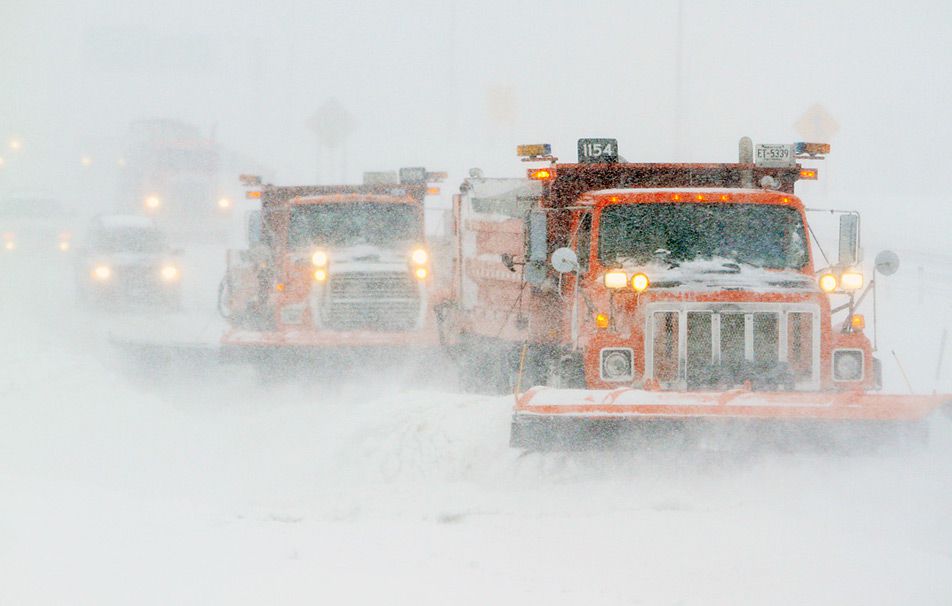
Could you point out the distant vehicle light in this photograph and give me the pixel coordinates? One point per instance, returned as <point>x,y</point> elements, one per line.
<point>616,279</point>
<point>640,282</point>
<point>851,280</point>
<point>224,203</point>
<point>170,273</point>
<point>64,246</point>
<point>319,258</point>
<point>9,245</point>
<point>253,195</point>
<point>320,275</point>
<point>420,256</point>
<point>421,273</point>
<point>153,203</point>
<point>102,273</point>
<point>828,283</point>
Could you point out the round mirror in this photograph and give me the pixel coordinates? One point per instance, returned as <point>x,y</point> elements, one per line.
<point>564,260</point>
<point>887,262</point>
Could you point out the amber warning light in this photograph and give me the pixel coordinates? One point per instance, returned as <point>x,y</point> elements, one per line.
<point>808,174</point>
<point>541,174</point>
<point>252,195</point>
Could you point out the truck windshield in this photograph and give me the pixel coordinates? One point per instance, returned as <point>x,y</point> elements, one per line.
<point>129,239</point>
<point>761,235</point>
<point>347,224</point>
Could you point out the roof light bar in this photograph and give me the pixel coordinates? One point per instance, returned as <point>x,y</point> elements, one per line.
<point>534,150</point>
<point>811,150</point>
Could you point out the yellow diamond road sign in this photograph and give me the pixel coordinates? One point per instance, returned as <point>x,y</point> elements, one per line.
<point>816,125</point>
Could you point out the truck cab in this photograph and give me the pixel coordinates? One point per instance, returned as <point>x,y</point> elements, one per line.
<point>332,267</point>
<point>614,294</point>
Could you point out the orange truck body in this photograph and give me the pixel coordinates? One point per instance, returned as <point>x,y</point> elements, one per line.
<point>370,295</point>
<point>719,341</point>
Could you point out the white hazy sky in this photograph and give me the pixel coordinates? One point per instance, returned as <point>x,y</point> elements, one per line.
<point>459,85</point>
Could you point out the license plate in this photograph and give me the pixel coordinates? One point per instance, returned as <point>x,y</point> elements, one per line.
<point>774,155</point>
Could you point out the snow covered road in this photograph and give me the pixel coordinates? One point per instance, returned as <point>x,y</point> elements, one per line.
<point>226,491</point>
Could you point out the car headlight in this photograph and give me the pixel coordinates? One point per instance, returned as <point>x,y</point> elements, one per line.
<point>617,364</point>
<point>847,365</point>
<point>170,273</point>
<point>616,279</point>
<point>319,258</point>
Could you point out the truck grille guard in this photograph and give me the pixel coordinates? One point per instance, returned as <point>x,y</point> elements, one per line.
<point>694,346</point>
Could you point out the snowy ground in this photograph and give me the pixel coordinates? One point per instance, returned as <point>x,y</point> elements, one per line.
<point>216,489</point>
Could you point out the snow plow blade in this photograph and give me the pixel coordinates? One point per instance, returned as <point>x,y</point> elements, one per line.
<point>557,419</point>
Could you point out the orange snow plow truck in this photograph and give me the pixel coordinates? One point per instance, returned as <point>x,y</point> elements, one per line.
<point>331,269</point>
<point>620,299</point>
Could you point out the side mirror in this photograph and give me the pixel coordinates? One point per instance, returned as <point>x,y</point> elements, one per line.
<point>887,262</point>
<point>538,249</point>
<point>564,260</point>
<point>849,240</point>
<point>254,227</point>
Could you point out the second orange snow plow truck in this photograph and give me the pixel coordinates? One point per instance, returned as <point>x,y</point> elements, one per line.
<point>652,296</point>
<point>332,268</point>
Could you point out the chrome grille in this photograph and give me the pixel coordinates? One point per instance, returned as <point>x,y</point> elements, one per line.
<point>704,346</point>
<point>382,301</point>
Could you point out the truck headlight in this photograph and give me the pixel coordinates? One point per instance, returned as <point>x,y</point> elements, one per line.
<point>616,279</point>
<point>640,282</point>
<point>319,258</point>
<point>828,283</point>
<point>617,364</point>
<point>847,365</point>
<point>851,280</point>
<point>169,273</point>
<point>419,256</point>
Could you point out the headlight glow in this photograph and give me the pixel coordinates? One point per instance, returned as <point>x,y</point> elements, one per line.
<point>9,245</point>
<point>851,280</point>
<point>421,273</point>
<point>169,273</point>
<point>153,203</point>
<point>319,258</point>
<point>64,246</point>
<point>224,203</point>
<point>616,279</point>
<point>640,282</point>
<point>102,273</point>
<point>320,275</point>
<point>419,256</point>
<point>827,282</point>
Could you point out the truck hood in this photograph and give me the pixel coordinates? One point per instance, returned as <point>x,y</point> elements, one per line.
<point>722,274</point>
<point>367,258</point>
